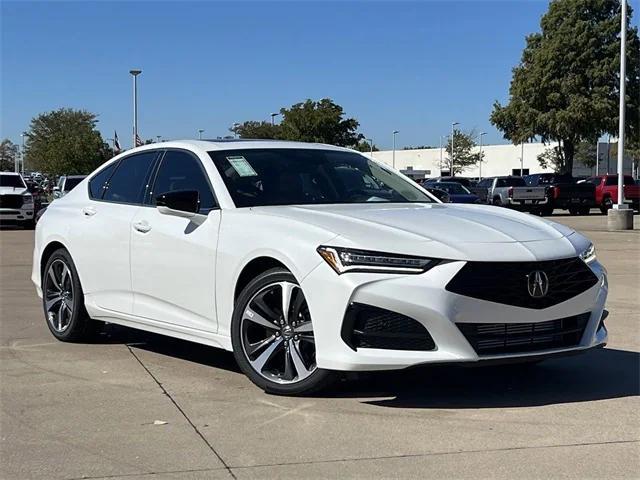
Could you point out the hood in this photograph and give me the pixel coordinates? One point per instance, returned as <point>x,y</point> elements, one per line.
<point>412,228</point>
<point>13,190</point>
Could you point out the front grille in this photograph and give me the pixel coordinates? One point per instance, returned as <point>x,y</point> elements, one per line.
<point>507,282</point>
<point>10,201</point>
<point>366,326</point>
<point>501,338</point>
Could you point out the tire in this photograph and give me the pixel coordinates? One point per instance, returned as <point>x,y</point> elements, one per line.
<point>497,202</point>
<point>607,204</point>
<point>63,300</point>
<point>546,212</point>
<point>584,210</point>
<point>279,344</point>
<point>573,211</point>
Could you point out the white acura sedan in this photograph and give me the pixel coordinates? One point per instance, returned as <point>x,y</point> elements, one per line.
<point>309,259</point>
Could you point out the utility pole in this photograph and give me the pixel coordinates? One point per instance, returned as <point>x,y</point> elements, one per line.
<point>135,74</point>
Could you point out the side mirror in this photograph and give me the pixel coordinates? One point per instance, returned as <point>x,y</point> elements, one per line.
<point>180,203</point>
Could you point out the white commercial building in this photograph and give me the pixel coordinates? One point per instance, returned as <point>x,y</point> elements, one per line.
<point>498,160</point>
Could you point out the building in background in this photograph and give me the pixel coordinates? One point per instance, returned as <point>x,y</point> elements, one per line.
<point>498,160</point>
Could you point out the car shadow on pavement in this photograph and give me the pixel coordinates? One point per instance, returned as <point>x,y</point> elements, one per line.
<point>597,375</point>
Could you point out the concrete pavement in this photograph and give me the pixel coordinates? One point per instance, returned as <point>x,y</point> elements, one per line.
<point>139,406</point>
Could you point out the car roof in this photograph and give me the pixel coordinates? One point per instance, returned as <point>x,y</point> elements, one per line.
<point>235,144</point>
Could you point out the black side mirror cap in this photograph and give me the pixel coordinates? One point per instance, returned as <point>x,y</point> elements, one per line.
<point>180,203</point>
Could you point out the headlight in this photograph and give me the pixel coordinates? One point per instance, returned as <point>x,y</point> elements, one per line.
<point>344,260</point>
<point>589,255</point>
<point>27,198</point>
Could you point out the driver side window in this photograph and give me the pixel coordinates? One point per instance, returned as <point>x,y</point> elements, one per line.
<point>182,171</point>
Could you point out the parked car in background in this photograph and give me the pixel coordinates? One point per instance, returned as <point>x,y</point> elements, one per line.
<point>469,183</point>
<point>563,192</point>
<point>16,202</point>
<point>66,183</point>
<point>606,191</point>
<point>436,192</point>
<point>457,192</point>
<point>272,251</point>
<point>513,192</point>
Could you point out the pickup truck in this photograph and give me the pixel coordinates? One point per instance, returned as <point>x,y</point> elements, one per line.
<point>564,193</point>
<point>513,192</point>
<point>607,191</point>
<point>16,202</point>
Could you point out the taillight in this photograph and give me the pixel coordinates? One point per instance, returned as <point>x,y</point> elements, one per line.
<point>510,192</point>
<point>556,192</point>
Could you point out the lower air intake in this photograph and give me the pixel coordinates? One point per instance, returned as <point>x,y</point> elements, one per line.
<point>366,326</point>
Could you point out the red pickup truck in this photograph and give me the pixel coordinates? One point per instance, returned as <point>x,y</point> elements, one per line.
<point>607,191</point>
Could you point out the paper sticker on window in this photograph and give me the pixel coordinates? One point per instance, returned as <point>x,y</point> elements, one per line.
<point>241,166</point>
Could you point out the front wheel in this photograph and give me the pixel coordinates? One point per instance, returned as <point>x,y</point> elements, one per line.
<point>272,336</point>
<point>607,204</point>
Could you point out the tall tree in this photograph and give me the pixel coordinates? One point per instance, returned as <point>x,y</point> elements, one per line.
<point>8,154</point>
<point>259,130</point>
<point>464,157</point>
<point>364,146</point>
<point>322,121</point>
<point>65,141</point>
<point>566,87</point>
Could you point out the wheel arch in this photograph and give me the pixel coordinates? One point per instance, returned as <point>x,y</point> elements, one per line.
<point>47,251</point>
<point>253,268</point>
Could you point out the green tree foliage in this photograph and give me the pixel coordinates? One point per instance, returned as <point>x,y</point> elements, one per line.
<point>565,88</point>
<point>464,157</point>
<point>364,146</point>
<point>8,154</point>
<point>586,153</point>
<point>65,141</point>
<point>261,130</point>
<point>309,121</point>
<point>417,147</point>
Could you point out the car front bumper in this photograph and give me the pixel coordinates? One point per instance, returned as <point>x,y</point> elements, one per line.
<point>16,214</point>
<point>424,298</point>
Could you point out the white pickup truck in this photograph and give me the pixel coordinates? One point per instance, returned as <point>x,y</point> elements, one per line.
<point>16,203</point>
<point>513,192</point>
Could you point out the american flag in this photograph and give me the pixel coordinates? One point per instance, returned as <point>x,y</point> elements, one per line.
<point>116,142</point>
<point>138,141</point>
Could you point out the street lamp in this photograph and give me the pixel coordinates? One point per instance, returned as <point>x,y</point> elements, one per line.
<point>452,172</point>
<point>623,67</point>
<point>441,150</point>
<point>200,132</point>
<point>158,137</point>
<point>135,74</point>
<point>480,154</point>
<point>273,118</point>
<point>23,134</point>
<point>395,132</point>
<point>370,140</point>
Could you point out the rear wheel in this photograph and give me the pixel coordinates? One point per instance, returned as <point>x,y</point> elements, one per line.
<point>574,211</point>
<point>607,204</point>
<point>63,300</point>
<point>584,210</point>
<point>272,336</point>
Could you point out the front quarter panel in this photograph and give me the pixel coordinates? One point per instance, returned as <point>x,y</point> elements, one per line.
<point>245,235</point>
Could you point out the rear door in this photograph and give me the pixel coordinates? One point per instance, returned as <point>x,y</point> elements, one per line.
<point>115,195</point>
<point>173,258</point>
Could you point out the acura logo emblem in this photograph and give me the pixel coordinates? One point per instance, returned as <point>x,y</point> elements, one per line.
<point>537,284</point>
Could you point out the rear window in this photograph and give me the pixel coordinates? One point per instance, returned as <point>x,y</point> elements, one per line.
<point>71,183</point>
<point>99,180</point>
<point>128,183</point>
<point>511,182</point>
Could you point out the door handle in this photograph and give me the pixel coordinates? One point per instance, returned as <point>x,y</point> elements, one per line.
<point>142,226</point>
<point>89,211</point>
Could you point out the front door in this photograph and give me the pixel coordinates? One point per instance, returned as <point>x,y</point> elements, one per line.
<point>173,258</point>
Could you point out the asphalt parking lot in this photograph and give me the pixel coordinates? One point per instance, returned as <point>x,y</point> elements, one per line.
<point>135,406</point>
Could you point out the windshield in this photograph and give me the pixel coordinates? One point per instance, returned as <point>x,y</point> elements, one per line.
<point>12,181</point>
<point>71,183</point>
<point>453,188</point>
<point>307,177</point>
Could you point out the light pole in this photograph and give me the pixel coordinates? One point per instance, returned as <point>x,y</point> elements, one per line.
<point>522,159</point>
<point>482,134</point>
<point>453,134</point>
<point>597,155</point>
<point>135,74</point>
<point>273,118</point>
<point>395,132</point>
<point>623,67</point>
<point>200,132</point>
<point>441,151</point>
<point>370,140</point>
<point>158,137</point>
<point>23,134</point>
